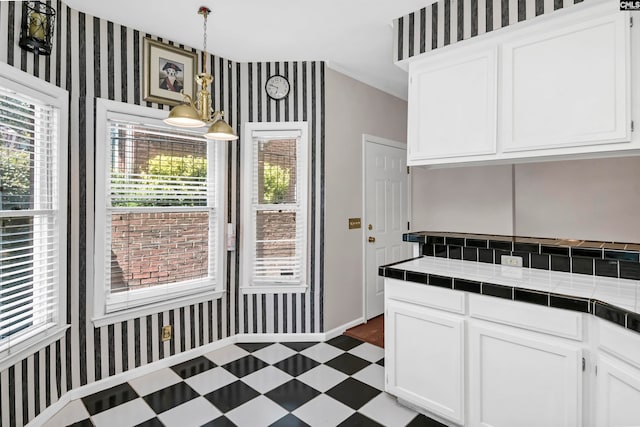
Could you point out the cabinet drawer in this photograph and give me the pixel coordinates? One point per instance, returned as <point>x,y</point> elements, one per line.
<point>619,342</point>
<point>428,296</point>
<point>552,321</point>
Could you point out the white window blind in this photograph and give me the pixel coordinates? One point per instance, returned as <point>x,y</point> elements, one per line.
<point>161,215</point>
<point>276,201</point>
<point>30,219</point>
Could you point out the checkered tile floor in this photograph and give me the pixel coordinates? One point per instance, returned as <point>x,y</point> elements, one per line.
<point>335,383</point>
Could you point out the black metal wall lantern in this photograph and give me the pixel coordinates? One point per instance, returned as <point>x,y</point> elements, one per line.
<point>36,31</point>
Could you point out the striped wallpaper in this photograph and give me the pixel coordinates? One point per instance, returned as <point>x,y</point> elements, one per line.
<point>94,58</point>
<point>449,21</point>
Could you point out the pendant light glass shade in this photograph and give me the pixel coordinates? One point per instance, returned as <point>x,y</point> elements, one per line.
<point>184,115</point>
<point>221,131</point>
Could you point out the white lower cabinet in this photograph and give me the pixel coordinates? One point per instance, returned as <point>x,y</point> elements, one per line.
<point>618,393</point>
<point>424,358</point>
<point>517,378</point>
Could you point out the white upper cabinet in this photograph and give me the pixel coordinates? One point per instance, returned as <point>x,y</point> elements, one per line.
<point>568,86</point>
<point>556,86</point>
<point>453,106</point>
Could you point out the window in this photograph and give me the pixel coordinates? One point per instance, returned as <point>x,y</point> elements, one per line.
<point>158,217</point>
<point>275,160</point>
<point>33,215</point>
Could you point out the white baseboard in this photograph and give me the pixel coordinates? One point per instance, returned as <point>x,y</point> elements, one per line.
<point>103,384</point>
<point>320,336</point>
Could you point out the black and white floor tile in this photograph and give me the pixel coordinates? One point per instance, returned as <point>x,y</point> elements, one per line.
<point>335,383</point>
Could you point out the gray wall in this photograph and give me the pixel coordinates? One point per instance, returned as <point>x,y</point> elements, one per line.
<point>595,199</point>
<point>580,199</point>
<point>352,109</point>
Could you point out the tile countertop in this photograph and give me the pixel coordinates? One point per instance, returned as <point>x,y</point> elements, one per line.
<point>614,299</point>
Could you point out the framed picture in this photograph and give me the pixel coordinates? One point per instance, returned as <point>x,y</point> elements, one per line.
<point>167,71</point>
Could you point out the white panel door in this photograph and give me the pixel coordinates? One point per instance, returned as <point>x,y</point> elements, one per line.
<point>518,379</point>
<point>424,358</point>
<point>452,106</point>
<point>386,216</point>
<point>618,394</point>
<point>567,86</point>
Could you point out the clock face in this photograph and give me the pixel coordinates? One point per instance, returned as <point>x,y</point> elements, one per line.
<point>277,87</point>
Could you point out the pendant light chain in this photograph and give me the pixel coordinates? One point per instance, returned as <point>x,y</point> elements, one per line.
<point>204,11</point>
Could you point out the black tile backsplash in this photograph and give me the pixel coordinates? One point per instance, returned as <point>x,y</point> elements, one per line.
<point>469,254</point>
<point>485,255</point>
<point>627,256</point>
<point>582,265</point>
<point>560,263</point>
<point>477,243</point>
<point>583,252</point>
<point>455,252</point>
<point>435,239</point>
<point>526,247</point>
<point>540,261</point>
<point>499,244</point>
<point>607,268</point>
<point>455,241</point>
<point>427,249</point>
<point>629,270</point>
<point>440,250</point>
<point>555,250</point>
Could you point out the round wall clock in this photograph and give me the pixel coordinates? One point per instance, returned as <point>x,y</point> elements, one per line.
<point>277,87</point>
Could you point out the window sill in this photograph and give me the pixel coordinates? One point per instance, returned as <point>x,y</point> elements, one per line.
<point>145,310</point>
<point>32,345</point>
<point>274,289</point>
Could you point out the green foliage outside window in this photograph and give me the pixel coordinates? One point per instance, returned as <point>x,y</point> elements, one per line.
<point>15,178</point>
<point>276,183</point>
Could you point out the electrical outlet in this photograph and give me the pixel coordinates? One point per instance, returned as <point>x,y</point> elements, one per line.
<point>167,332</point>
<point>512,261</point>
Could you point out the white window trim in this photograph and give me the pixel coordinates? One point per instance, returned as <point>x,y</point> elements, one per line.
<point>151,300</point>
<point>21,82</point>
<point>248,229</point>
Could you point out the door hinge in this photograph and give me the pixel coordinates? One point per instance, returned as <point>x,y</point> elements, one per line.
<point>408,169</point>
<point>584,364</point>
<point>632,126</point>
<point>596,370</point>
<point>631,21</point>
<point>408,225</point>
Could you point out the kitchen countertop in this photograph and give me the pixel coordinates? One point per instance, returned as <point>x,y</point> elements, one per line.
<point>614,299</point>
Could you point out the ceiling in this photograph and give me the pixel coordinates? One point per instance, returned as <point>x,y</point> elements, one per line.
<point>354,37</point>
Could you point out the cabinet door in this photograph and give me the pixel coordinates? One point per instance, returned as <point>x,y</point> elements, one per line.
<point>518,379</point>
<point>424,358</point>
<point>618,393</point>
<point>566,84</point>
<point>452,106</point>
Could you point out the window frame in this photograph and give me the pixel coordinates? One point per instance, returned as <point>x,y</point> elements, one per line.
<point>248,230</point>
<point>20,82</point>
<point>149,300</point>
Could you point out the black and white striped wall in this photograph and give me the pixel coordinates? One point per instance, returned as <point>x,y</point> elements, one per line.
<point>94,58</point>
<point>449,21</point>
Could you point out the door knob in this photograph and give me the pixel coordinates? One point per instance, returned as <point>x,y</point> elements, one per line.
<point>372,239</point>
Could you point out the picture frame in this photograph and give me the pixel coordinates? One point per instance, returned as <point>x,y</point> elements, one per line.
<point>167,71</point>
